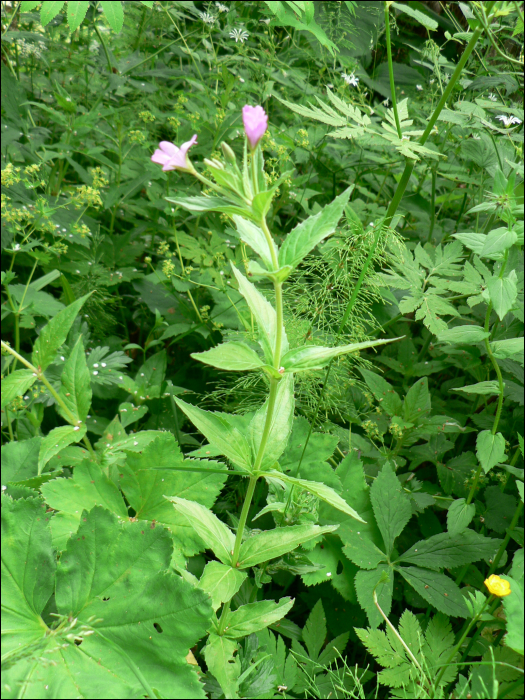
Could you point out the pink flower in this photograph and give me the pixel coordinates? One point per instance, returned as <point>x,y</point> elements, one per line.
<point>255,122</point>
<point>173,158</point>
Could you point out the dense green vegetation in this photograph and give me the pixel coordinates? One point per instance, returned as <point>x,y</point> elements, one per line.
<point>262,388</point>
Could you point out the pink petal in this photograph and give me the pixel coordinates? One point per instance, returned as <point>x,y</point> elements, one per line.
<point>170,148</point>
<point>160,157</point>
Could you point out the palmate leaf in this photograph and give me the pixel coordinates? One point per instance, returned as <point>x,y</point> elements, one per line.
<point>112,579</point>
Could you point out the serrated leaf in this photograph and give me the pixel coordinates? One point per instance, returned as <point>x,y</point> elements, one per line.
<point>482,388</point>
<point>54,334</point>
<point>366,582</point>
<point>16,384</point>
<point>391,506</point>
<point>221,582</point>
<point>270,544</point>
<point>513,606</point>
<point>464,334</point>
<point>50,10</point>
<point>363,552</point>
<point>56,440</point>
<point>312,357</point>
<point>306,235</point>
<point>436,588</point>
<point>383,392</point>
<point>314,631</point>
<point>503,293</point>
<point>75,390</point>
<point>220,433</point>
<point>280,426</point>
<point>235,357</point>
<point>219,655</point>
<point>253,617</point>
<point>459,515</point>
<point>216,535</point>
<point>490,449</point>
<point>322,491</point>
<point>496,242</point>
<point>449,550</point>
<point>114,14</point>
<point>76,12</point>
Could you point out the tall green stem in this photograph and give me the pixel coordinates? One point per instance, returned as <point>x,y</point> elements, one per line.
<point>391,69</point>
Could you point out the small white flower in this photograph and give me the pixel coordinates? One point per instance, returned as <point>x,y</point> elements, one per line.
<point>350,79</point>
<point>239,34</point>
<point>242,81</point>
<point>135,443</point>
<point>221,7</point>
<point>419,87</point>
<point>266,21</point>
<point>492,97</point>
<point>207,18</point>
<point>508,121</point>
<point>386,102</point>
<point>329,573</point>
<point>432,81</point>
<point>16,246</point>
<point>221,273</point>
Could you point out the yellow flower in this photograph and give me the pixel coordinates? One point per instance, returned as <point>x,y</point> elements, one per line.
<point>498,586</point>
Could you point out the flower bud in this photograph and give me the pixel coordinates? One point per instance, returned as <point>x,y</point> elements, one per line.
<point>228,153</point>
<point>255,122</point>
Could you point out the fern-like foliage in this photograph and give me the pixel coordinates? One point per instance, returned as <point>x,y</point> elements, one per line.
<point>431,649</point>
<point>352,123</point>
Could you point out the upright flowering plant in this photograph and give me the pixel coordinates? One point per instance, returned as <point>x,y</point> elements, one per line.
<point>254,451</point>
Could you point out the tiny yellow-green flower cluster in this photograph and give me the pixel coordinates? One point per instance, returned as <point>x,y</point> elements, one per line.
<point>82,230</point>
<point>146,117</point>
<point>10,175</point>
<point>396,430</point>
<point>87,196</point>
<point>302,138</point>
<point>371,429</point>
<point>168,268</point>
<point>164,249</point>
<point>99,179</point>
<point>136,136</point>
<point>174,122</point>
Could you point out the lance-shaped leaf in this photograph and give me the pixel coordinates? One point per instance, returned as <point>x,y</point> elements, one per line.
<point>217,536</point>
<point>205,203</point>
<point>304,237</point>
<point>449,550</point>
<point>325,493</point>
<point>233,356</point>
<point>255,238</point>
<point>439,590</point>
<point>75,391</point>
<point>274,543</point>
<point>391,506</point>
<point>309,357</point>
<point>219,654</point>
<point>114,586</point>
<point>254,617</point>
<point>264,315</point>
<point>16,384</point>
<point>54,334</point>
<point>220,434</point>
<point>280,427</point>
<point>464,334</point>
<point>56,440</point>
<point>221,582</point>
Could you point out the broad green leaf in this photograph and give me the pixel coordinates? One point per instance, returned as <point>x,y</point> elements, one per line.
<point>314,631</point>
<point>264,315</point>
<point>233,356</point>
<point>503,293</point>
<point>459,516</point>
<point>497,242</point>
<point>253,617</point>
<point>216,535</point>
<point>76,12</point>
<point>221,582</point>
<point>449,550</point>
<point>255,238</point>
<point>439,590</point>
<point>114,13</point>
<point>391,506</point>
<point>502,349</point>
<point>28,5</point>
<point>220,433</point>
<point>417,401</point>
<point>280,426</point>
<point>20,461</point>
<point>270,544</point>
<point>366,582</point>
<point>363,552</point>
<point>483,388</point>
<point>464,334</point>
<point>87,488</point>
<point>112,576</point>
<point>50,10</point>
<point>56,440</point>
<point>490,449</point>
<point>513,606</point>
<point>54,334</point>
<point>420,17</point>
<point>219,655</point>
<point>306,235</point>
<point>16,384</point>
<point>310,357</point>
<point>383,392</point>
<point>75,391</point>
<point>322,491</point>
